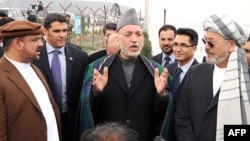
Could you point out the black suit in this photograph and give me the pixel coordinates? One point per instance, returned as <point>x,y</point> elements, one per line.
<point>158,58</point>
<point>196,110</point>
<point>96,55</point>
<point>76,62</point>
<point>172,69</point>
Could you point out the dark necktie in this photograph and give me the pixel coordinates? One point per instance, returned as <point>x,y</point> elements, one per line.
<point>166,61</point>
<point>57,78</point>
<point>176,80</point>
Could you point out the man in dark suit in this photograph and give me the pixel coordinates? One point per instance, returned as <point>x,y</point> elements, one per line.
<point>166,39</point>
<point>184,47</point>
<point>28,111</point>
<point>72,64</point>
<point>213,93</point>
<point>118,92</point>
<point>108,29</point>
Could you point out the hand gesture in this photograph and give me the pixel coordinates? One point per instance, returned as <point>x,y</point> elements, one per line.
<point>161,81</point>
<point>100,80</point>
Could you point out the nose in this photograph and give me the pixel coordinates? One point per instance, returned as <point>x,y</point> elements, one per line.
<point>40,43</point>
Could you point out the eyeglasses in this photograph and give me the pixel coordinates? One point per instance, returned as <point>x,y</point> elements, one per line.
<point>182,45</point>
<point>211,44</point>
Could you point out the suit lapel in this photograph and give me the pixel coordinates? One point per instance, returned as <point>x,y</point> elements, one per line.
<point>117,73</point>
<point>45,62</point>
<point>69,56</point>
<point>15,76</point>
<point>208,83</point>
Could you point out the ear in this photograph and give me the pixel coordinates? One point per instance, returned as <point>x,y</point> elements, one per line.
<point>232,45</point>
<point>45,31</point>
<point>194,48</point>
<point>17,44</point>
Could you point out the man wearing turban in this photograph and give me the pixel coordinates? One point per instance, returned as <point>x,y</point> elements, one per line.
<point>215,93</point>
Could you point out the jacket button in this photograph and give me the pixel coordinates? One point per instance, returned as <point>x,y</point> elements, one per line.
<point>128,121</point>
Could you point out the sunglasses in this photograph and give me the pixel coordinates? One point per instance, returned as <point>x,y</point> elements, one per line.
<point>211,44</point>
<point>208,42</point>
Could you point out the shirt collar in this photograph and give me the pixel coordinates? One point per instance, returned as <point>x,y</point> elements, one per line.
<point>187,66</point>
<point>50,48</point>
<point>171,57</point>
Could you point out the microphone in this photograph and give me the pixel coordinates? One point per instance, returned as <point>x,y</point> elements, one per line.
<point>159,138</point>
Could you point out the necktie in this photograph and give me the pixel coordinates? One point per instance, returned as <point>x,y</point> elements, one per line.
<point>57,78</point>
<point>176,80</point>
<point>166,61</point>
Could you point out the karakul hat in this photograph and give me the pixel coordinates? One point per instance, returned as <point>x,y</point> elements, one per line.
<point>128,18</point>
<point>227,27</point>
<point>20,28</point>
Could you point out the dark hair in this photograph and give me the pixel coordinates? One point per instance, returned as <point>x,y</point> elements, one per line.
<point>6,41</point>
<point>3,14</point>
<point>248,39</point>
<point>167,27</point>
<point>67,15</point>
<point>192,34</point>
<point>32,18</point>
<point>109,26</point>
<point>108,129</point>
<point>5,20</point>
<point>55,17</point>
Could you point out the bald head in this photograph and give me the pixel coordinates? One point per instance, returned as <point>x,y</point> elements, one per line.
<point>112,44</point>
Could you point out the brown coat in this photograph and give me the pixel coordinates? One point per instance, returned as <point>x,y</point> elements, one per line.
<point>21,118</point>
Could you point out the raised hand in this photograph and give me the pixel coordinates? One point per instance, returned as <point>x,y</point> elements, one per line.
<point>161,81</point>
<point>100,80</point>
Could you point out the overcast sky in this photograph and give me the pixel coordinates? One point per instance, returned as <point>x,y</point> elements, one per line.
<point>187,13</point>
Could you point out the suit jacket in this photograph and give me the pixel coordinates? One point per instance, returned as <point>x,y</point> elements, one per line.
<point>21,118</point>
<point>139,106</point>
<point>172,68</point>
<point>76,62</point>
<point>158,58</point>
<point>96,55</point>
<point>196,110</point>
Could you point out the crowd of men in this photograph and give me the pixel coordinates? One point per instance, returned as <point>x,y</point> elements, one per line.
<point>51,90</point>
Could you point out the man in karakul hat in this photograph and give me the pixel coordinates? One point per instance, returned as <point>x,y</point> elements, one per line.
<point>25,96</point>
<point>215,93</point>
<point>126,87</point>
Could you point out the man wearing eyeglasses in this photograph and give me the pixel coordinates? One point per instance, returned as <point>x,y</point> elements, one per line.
<point>184,47</point>
<point>213,92</point>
